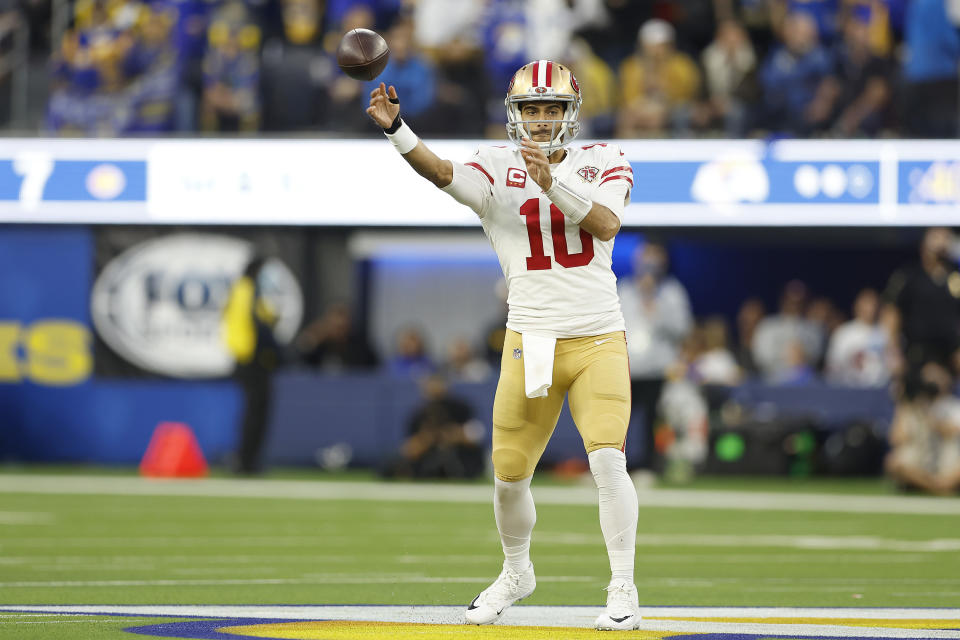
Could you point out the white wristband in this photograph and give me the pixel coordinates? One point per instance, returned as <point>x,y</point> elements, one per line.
<point>573,206</point>
<point>403,139</point>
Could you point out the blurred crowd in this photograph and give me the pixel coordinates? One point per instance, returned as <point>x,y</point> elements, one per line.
<point>904,339</point>
<point>844,68</point>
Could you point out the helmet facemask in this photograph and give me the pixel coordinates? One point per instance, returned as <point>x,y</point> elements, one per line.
<point>563,131</point>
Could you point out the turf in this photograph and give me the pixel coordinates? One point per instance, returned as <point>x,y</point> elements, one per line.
<point>79,549</point>
<point>22,626</point>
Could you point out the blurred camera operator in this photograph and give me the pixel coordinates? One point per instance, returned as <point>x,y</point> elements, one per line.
<point>925,301</point>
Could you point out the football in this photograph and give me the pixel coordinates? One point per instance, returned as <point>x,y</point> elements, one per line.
<point>362,54</point>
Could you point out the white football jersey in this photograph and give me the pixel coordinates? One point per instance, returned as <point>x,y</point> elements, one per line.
<point>559,277</point>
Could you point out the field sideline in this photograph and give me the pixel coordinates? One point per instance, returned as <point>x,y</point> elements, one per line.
<point>117,540</point>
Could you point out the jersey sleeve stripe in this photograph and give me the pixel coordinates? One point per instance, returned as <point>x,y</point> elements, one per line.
<point>481,170</point>
<point>616,178</point>
<point>609,171</point>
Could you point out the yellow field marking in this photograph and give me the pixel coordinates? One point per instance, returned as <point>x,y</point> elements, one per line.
<point>349,630</point>
<point>837,622</point>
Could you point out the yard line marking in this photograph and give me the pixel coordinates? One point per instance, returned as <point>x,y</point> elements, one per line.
<point>416,613</point>
<point>25,517</point>
<point>320,579</point>
<point>120,562</point>
<point>809,542</point>
<point>436,492</point>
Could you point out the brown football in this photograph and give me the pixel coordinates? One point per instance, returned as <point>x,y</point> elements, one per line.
<point>362,54</point>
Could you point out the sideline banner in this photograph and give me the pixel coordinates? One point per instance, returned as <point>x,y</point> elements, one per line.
<point>365,183</point>
<point>53,405</point>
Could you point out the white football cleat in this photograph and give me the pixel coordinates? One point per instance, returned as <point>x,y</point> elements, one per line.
<point>508,588</point>
<point>623,608</point>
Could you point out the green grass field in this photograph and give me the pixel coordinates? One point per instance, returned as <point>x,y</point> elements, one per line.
<point>68,547</point>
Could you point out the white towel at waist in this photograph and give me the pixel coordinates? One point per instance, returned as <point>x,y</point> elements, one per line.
<point>537,364</point>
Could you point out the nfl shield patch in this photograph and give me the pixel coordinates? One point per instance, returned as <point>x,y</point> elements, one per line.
<point>517,353</point>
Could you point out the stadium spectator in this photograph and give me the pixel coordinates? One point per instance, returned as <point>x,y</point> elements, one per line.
<point>930,100</point>
<point>504,46</point>
<point>449,32</point>
<point>296,70</point>
<point>758,18</point>
<point>407,70</point>
<point>87,93</point>
<point>189,39</point>
<point>333,343</point>
<point>597,79</point>
<point>749,316</point>
<point>729,65</point>
<point>694,20</point>
<point>344,93</point>
<point>714,363</point>
<point>792,76</point>
<point>231,72</point>
<point>9,23</point>
<point>784,342</point>
<point>410,354</point>
<point>464,365</point>
<point>152,64</point>
<point>612,34</point>
<point>657,315</point>
<point>248,323</point>
<point>925,304</point>
<point>859,351</point>
<point>443,438</point>
<point>823,13</point>
<point>925,435</point>
<point>382,12</point>
<point>824,316</point>
<point>795,367</point>
<point>683,436</point>
<point>658,84</point>
<point>856,92</point>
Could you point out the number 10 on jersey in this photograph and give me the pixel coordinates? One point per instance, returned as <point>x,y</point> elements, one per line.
<point>538,260</point>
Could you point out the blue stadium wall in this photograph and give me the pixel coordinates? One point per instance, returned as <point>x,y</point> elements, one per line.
<point>60,402</point>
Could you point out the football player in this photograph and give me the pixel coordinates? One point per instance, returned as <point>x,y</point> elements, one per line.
<point>551,210</point>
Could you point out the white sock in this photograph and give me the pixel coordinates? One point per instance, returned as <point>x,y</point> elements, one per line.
<point>516,514</point>
<point>618,510</point>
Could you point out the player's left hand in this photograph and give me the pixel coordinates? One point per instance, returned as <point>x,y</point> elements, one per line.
<point>538,166</point>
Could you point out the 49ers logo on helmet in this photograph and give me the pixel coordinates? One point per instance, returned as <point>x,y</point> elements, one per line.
<point>512,80</point>
<point>573,83</point>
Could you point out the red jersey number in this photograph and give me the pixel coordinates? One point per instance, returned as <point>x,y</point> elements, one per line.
<point>538,260</point>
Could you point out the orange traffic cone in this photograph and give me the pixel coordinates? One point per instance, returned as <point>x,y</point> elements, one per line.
<point>173,452</point>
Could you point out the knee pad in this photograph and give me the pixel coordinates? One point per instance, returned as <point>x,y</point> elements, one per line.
<point>511,464</point>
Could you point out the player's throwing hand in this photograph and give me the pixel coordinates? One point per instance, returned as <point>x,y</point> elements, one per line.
<point>538,166</point>
<point>383,108</point>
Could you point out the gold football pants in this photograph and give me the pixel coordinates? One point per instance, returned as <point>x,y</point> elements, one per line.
<point>592,369</point>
